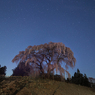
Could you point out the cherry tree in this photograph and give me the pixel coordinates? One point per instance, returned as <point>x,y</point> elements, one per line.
<point>47,57</point>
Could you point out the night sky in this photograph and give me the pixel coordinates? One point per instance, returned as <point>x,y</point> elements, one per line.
<point>35,22</point>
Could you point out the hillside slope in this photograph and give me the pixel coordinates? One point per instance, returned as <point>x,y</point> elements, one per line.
<point>28,86</point>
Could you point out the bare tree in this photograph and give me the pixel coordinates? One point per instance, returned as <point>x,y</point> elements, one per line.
<point>47,57</point>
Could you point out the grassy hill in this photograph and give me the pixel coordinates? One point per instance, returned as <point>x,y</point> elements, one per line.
<point>28,86</point>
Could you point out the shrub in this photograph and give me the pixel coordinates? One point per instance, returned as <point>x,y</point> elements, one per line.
<point>21,70</point>
<point>78,78</point>
<point>2,73</point>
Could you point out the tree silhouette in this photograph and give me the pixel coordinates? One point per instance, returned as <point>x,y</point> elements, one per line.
<point>47,57</point>
<point>78,78</point>
<point>3,70</point>
<point>2,73</point>
<point>21,70</point>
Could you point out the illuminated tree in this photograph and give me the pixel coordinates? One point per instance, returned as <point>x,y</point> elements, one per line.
<point>47,57</point>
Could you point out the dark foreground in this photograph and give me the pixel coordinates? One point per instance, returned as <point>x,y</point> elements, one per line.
<point>29,86</point>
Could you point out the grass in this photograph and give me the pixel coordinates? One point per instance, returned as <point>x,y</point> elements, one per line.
<point>38,86</point>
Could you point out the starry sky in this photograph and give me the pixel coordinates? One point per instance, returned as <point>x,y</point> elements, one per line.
<point>35,22</point>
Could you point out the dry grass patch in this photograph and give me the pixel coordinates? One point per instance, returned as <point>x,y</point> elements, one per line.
<point>28,86</point>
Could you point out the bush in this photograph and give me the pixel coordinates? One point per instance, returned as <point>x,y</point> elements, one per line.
<point>52,77</point>
<point>78,78</point>
<point>2,73</point>
<point>3,70</point>
<point>21,70</point>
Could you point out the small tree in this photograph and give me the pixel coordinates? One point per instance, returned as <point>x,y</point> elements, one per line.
<point>86,81</point>
<point>3,70</point>
<point>2,73</point>
<point>51,55</point>
<point>78,78</point>
<point>21,70</point>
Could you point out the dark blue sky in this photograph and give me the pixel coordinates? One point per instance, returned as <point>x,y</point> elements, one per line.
<point>35,22</point>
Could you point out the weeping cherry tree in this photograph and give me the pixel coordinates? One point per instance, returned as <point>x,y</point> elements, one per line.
<point>47,57</point>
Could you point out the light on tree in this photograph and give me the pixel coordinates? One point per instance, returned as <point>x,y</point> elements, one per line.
<point>47,57</point>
